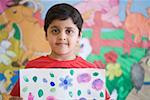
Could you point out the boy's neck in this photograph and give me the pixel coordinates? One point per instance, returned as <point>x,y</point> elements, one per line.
<point>62,57</point>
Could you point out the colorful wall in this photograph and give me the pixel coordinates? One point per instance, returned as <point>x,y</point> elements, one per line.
<point>116,34</point>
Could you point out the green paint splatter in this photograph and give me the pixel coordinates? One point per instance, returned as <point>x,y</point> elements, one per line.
<point>95,74</point>
<point>52,89</point>
<point>70,94</point>
<point>40,93</point>
<point>71,72</point>
<point>34,78</point>
<point>25,79</point>
<point>52,75</point>
<point>79,92</point>
<point>25,89</point>
<point>2,26</point>
<point>101,94</point>
<point>17,31</point>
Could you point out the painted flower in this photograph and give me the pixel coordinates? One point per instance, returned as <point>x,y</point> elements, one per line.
<point>111,57</point>
<point>65,82</point>
<point>113,70</point>
<point>5,54</point>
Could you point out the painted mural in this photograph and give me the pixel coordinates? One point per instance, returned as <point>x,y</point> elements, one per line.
<point>115,36</point>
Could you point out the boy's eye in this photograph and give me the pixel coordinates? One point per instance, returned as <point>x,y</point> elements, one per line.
<point>55,31</point>
<point>69,32</point>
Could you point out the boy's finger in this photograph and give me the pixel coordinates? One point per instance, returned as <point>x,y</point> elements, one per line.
<point>15,98</point>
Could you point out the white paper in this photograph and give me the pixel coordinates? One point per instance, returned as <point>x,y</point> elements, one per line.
<point>62,84</point>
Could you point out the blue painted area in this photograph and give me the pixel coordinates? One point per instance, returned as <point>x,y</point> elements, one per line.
<point>146,83</point>
<point>139,6</point>
<point>107,29</point>
<point>48,3</point>
<point>122,8</point>
<point>13,80</point>
<point>2,77</point>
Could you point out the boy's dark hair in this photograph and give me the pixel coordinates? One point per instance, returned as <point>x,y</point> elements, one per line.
<point>63,11</point>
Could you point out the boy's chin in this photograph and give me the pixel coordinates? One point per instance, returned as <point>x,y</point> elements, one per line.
<point>61,52</point>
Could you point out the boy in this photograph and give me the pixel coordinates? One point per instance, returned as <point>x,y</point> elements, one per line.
<point>63,24</point>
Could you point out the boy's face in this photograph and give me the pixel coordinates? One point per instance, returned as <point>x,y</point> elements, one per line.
<point>63,36</point>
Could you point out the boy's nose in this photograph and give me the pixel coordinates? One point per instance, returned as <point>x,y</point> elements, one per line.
<point>62,36</point>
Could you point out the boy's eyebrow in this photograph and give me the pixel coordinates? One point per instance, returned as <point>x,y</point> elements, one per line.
<point>54,27</point>
<point>65,27</point>
<point>70,28</point>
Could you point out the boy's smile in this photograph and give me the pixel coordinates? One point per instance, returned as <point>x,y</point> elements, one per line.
<point>63,36</point>
<point>62,44</point>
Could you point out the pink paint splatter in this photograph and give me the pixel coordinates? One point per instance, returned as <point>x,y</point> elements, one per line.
<point>50,98</point>
<point>4,4</point>
<point>30,96</point>
<point>113,3</point>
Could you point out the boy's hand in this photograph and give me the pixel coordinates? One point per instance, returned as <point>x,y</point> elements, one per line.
<point>5,96</point>
<point>9,97</point>
<point>15,98</point>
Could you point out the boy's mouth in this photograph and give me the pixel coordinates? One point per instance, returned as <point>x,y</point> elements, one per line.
<point>61,44</point>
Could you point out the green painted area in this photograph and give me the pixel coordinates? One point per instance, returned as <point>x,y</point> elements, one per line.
<point>17,31</point>
<point>106,49</point>
<point>143,38</point>
<point>79,92</point>
<point>52,89</point>
<point>2,26</point>
<point>40,93</point>
<point>71,72</point>
<point>103,50</point>
<point>95,74</point>
<point>25,78</point>
<point>92,58</point>
<point>52,75</point>
<point>123,83</point>
<point>101,94</point>
<point>113,34</point>
<point>87,33</point>
<point>137,53</point>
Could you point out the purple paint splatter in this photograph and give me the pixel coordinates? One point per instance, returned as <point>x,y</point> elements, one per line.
<point>82,98</point>
<point>97,84</point>
<point>84,78</point>
<point>44,80</point>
